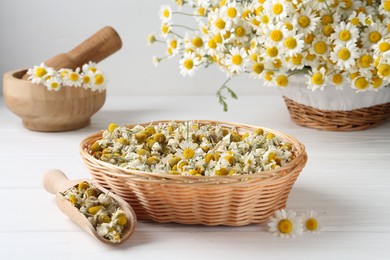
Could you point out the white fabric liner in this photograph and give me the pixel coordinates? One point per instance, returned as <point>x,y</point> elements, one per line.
<point>331,98</point>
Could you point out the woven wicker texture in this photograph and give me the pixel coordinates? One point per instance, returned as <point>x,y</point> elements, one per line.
<point>220,200</point>
<point>352,120</point>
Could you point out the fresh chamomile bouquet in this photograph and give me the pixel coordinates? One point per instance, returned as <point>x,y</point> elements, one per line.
<point>336,43</point>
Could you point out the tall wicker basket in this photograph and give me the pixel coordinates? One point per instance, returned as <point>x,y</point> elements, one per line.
<point>220,200</point>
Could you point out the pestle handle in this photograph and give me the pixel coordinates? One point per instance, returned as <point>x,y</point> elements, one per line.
<point>97,47</point>
<point>54,180</point>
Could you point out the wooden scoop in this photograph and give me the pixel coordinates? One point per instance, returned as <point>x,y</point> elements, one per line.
<point>56,182</point>
<point>96,48</point>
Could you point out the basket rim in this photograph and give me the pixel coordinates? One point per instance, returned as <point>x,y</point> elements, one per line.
<point>301,155</point>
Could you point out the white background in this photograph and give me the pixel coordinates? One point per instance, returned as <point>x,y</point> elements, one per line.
<point>33,31</point>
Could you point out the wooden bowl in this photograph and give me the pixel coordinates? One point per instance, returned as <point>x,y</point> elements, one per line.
<point>69,108</point>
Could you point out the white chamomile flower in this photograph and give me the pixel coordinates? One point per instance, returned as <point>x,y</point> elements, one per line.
<point>256,70</point>
<point>89,67</point>
<point>320,46</point>
<point>281,79</point>
<point>275,33</point>
<point>99,81</point>
<point>87,79</point>
<point>316,79</point>
<point>189,64</point>
<point>384,8</point>
<point>165,13</point>
<point>54,83</point>
<point>231,11</point>
<point>311,222</point>
<point>285,224</point>
<point>338,79</point>
<point>344,56</point>
<point>187,150</point>
<point>73,78</point>
<point>173,45</point>
<point>277,9</point>
<point>240,31</point>
<point>293,44</point>
<point>344,33</point>
<point>306,20</point>
<point>166,28</point>
<point>373,34</point>
<point>361,83</point>
<point>382,48</point>
<point>236,60</point>
<point>39,74</point>
<point>218,24</point>
<point>319,5</point>
<point>193,40</point>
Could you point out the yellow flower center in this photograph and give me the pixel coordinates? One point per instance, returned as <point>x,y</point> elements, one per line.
<point>258,68</point>
<point>285,226</point>
<point>384,70</point>
<point>170,51</point>
<point>165,28</point>
<point>269,75</point>
<point>255,22</point>
<point>375,37</point>
<point>345,35</point>
<point>297,59</point>
<point>93,69</point>
<point>218,38</point>
<point>40,72</point>
<point>386,6</point>
<point>320,47</point>
<point>355,21</point>
<point>347,4</point>
<point>272,51</point>
<point>376,82</point>
<point>74,76</point>
<point>317,78</point>
<point>277,63</point>
<point>86,79</point>
<point>188,64</point>
<point>311,224</point>
<point>289,26</point>
<point>54,85</point>
<point>197,42</point>
<point>304,21</point>
<point>212,44</point>
<point>245,14</point>
<point>166,13</point>
<point>365,61</point>
<point>99,79</point>
<point>337,79</point>
<point>281,80</point>
<point>290,43</point>
<point>231,12</point>
<point>188,153</point>
<point>309,38</point>
<point>265,19</point>
<point>276,35</point>
<point>326,19</point>
<point>201,11</point>
<point>361,83</point>
<point>173,44</point>
<point>328,30</point>
<point>220,23</point>
<point>222,171</point>
<point>277,9</point>
<point>344,54</point>
<point>239,31</point>
<point>237,59</point>
<point>384,46</point>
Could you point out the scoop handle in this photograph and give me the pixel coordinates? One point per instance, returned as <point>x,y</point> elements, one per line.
<point>54,180</point>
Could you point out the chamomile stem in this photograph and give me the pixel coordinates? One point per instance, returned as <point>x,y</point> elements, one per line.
<point>183,26</point>
<point>187,14</point>
<point>178,35</point>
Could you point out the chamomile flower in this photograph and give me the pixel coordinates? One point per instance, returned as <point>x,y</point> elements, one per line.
<point>87,79</point>
<point>99,81</point>
<point>275,33</point>
<point>218,23</point>
<point>361,83</point>
<point>231,11</point>
<point>320,46</point>
<point>285,224</point>
<point>293,44</point>
<point>306,20</point>
<point>384,8</point>
<point>276,9</point>
<point>321,4</point>
<point>166,28</point>
<point>344,33</point>
<point>165,13</point>
<point>54,83</point>
<point>89,67</point>
<point>38,74</point>
<point>236,60</point>
<point>311,222</point>
<point>193,41</point>
<point>240,31</point>
<point>156,60</point>
<point>344,56</point>
<point>189,64</point>
<point>338,79</point>
<point>73,78</point>
<point>173,45</point>
<point>256,70</point>
<point>373,34</point>
<point>316,79</point>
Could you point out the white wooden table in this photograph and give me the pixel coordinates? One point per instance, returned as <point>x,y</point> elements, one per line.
<point>346,179</point>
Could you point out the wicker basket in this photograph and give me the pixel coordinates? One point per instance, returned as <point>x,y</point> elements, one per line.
<point>329,120</point>
<point>220,200</point>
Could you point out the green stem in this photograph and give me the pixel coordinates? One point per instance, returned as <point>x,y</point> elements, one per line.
<point>187,14</point>
<point>183,26</point>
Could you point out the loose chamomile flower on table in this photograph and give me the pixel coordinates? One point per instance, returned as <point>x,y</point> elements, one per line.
<point>311,222</point>
<point>285,224</point>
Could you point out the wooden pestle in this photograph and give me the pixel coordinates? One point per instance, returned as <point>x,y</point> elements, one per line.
<point>100,45</point>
